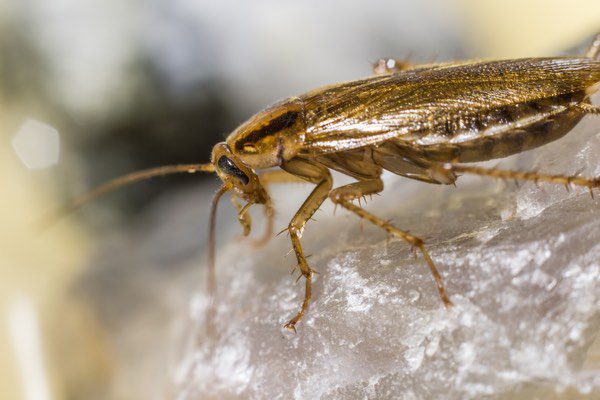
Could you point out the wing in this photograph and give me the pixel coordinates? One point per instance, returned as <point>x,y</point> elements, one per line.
<point>431,104</point>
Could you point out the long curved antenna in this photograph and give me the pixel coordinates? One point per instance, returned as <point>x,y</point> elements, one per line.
<point>212,277</point>
<point>119,182</point>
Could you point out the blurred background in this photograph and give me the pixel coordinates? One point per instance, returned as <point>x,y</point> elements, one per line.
<point>93,89</point>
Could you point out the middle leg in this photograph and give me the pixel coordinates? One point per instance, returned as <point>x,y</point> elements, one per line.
<point>344,196</point>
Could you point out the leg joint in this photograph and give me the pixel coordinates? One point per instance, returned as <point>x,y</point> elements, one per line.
<point>337,196</point>
<point>295,231</point>
<point>417,242</point>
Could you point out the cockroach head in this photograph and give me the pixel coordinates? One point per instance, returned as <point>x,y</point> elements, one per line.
<point>238,176</point>
<point>270,137</point>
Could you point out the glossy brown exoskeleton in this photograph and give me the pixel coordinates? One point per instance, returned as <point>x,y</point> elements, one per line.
<point>423,122</point>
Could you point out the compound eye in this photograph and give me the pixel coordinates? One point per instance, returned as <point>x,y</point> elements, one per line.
<point>229,167</point>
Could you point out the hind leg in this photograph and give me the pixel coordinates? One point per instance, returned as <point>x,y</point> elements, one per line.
<point>344,196</point>
<point>588,108</point>
<point>497,173</point>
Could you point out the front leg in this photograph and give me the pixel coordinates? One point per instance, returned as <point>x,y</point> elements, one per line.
<point>243,216</point>
<point>266,179</point>
<point>536,177</point>
<point>320,176</point>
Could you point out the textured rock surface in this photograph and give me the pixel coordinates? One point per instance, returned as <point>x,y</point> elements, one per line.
<point>520,264</point>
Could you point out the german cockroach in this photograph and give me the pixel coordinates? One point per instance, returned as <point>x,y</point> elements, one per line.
<point>422,122</point>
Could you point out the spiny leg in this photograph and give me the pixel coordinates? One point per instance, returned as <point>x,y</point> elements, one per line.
<point>588,108</point>
<point>522,176</point>
<point>320,176</point>
<point>344,196</point>
<point>243,216</point>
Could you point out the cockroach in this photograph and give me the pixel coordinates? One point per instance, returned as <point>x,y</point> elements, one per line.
<point>423,122</point>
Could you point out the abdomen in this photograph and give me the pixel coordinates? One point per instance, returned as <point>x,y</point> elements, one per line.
<point>500,132</point>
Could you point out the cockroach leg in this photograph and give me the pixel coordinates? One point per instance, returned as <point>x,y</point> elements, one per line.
<point>387,66</point>
<point>356,190</point>
<point>535,177</point>
<point>344,195</point>
<point>594,50</point>
<point>243,216</point>
<point>320,176</point>
<point>588,108</point>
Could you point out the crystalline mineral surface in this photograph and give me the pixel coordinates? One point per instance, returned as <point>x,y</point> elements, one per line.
<point>521,265</point>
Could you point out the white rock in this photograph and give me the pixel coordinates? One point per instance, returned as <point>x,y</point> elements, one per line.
<point>520,264</point>
<point>37,144</point>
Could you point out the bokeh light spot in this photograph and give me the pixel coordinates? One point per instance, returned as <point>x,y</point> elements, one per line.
<point>37,144</point>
